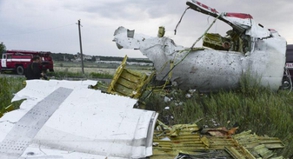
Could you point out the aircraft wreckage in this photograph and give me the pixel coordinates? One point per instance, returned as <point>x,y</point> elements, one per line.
<point>249,48</point>
<point>67,120</point>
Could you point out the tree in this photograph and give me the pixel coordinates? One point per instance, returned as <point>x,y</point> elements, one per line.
<point>2,49</point>
<point>93,58</point>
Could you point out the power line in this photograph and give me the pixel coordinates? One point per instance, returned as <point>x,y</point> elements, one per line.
<point>41,30</point>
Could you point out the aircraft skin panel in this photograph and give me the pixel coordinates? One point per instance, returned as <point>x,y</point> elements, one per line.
<point>88,123</point>
<point>24,131</point>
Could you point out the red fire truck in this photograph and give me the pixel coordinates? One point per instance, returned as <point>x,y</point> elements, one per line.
<point>18,60</point>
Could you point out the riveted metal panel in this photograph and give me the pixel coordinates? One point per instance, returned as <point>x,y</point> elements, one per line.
<point>23,132</point>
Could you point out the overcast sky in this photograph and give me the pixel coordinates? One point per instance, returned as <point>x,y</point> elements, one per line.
<point>51,25</point>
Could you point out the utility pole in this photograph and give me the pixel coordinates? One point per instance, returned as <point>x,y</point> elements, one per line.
<point>82,66</point>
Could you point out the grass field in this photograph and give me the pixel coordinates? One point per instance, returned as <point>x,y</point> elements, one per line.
<point>91,69</point>
<point>97,66</point>
<point>86,70</point>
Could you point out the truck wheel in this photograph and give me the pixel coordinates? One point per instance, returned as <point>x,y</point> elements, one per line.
<point>20,70</point>
<point>286,83</point>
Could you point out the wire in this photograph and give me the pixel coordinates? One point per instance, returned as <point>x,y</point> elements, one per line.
<point>39,30</point>
<point>175,31</point>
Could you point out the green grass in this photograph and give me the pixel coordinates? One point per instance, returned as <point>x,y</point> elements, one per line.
<point>98,65</point>
<point>86,64</point>
<point>100,75</point>
<point>252,107</point>
<point>67,74</point>
<point>8,87</point>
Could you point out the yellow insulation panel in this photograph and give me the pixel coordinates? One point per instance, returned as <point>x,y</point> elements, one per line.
<point>128,82</point>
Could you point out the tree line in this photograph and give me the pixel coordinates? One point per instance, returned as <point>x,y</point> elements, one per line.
<point>72,57</point>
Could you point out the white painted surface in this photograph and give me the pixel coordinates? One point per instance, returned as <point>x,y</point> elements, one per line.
<point>3,60</point>
<point>24,131</point>
<point>88,124</point>
<point>289,65</point>
<point>18,60</point>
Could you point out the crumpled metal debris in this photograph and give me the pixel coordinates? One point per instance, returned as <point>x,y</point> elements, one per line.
<point>186,141</point>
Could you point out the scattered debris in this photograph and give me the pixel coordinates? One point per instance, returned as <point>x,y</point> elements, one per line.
<point>186,141</point>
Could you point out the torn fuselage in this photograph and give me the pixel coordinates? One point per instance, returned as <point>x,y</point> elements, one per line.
<point>248,48</point>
